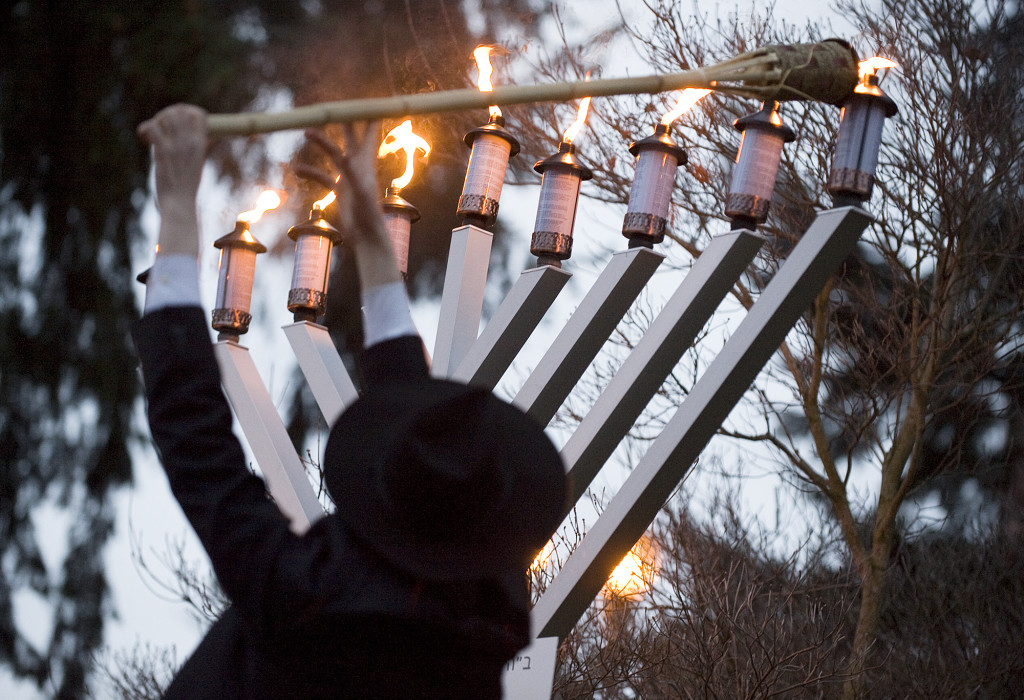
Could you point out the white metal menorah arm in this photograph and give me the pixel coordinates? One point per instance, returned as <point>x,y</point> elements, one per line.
<point>267,437</point>
<point>826,244</point>
<point>644,370</point>
<point>586,331</point>
<point>322,367</point>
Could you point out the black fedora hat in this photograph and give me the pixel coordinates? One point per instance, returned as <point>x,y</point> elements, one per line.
<point>443,480</point>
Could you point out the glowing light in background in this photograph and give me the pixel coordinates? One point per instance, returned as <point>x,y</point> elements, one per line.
<point>634,575</point>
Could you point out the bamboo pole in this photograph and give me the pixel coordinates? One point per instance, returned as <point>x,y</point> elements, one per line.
<point>783,72</point>
<point>447,101</point>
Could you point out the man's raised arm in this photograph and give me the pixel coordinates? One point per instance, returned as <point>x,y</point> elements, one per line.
<point>385,303</point>
<point>179,139</point>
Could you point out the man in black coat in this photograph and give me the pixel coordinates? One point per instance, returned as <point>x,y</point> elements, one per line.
<point>415,587</point>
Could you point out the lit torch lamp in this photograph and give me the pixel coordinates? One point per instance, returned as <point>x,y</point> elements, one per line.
<point>399,215</point>
<point>315,239</point>
<point>757,164</point>
<point>236,270</point>
<point>650,195</point>
<point>491,146</point>
<point>561,175</point>
<point>861,121</point>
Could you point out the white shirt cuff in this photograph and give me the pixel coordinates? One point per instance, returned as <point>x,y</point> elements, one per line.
<point>173,281</point>
<point>386,313</point>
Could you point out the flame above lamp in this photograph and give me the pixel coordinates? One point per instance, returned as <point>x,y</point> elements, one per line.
<point>561,175</point>
<point>757,164</point>
<point>398,213</point>
<point>657,158</point>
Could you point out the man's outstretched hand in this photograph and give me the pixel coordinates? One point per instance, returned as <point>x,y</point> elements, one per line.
<point>359,217</point>
<point>179,139</point>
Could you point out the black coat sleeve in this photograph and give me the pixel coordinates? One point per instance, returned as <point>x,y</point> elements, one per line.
<point>263,567</point>
<point>243,532</point>
<point>400,359</point>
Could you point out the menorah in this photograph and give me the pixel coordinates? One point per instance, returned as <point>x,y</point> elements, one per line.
<point>465,353</point>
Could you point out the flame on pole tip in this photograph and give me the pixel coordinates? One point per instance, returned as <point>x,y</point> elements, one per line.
<point>581,117</point>
<point>268,199</point>
<point>482,54</point>
<point>872,65</point>
<point>401,138</point>
<point>328,199</point>
<point>687,99</point>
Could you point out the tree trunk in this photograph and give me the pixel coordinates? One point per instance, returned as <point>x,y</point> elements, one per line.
<point>872,591</point>
<point>1011,511</point>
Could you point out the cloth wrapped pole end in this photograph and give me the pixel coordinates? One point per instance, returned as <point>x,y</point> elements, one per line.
<point>825,71</point>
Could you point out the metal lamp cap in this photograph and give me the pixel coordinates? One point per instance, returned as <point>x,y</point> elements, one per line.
<point>565,158</point>
<point>660,140</point>
<point>768,119</point>
<point>495,127</point>
<point>317,225</point>
<point>395,202</point>
<point>240,238</point>
<point>870,90</point>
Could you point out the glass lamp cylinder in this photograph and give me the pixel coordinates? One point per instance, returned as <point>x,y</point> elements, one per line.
<point>757,164</point>
<point>399,215</point>
<point>314,240</point>
<point>491,147</point>
<point>235,275</point>
<point>561,176</point>
<point>650,195</point>
<point>861,121</point>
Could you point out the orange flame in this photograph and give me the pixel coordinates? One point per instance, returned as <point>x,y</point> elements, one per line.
<point>401,138</point>
<point>687,99</point>
<point>482,54</point>
<point>543,557</point>
<point>635,573</point>
<point>328,199</point>
<point>269,199</point>
<point>581,117</point>
<point>872,65</point>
